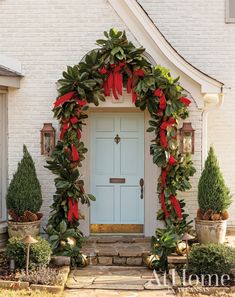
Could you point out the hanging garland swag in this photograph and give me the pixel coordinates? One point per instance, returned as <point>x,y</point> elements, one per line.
<point>117,64</point>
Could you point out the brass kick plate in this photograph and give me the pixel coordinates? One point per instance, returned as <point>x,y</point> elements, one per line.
<point>115,180</point>
<point>117,228</point>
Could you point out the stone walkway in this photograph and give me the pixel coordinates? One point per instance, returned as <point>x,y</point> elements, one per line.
<point>116,281</point>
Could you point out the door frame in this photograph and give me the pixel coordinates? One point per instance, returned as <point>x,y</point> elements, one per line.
<point>151,171</point>
<point>3,156</point>
<point>125,228</point>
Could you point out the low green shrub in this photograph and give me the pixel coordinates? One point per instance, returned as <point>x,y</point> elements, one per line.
<point>211,259</point>
<point>40,252</point>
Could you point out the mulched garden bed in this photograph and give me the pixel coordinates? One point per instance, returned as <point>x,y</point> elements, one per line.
<point>50,279</point>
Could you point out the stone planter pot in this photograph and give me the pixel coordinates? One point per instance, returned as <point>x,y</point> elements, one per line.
<point>211,231</point>
<point>21,229</point>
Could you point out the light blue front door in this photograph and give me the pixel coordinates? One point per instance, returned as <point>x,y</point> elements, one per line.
<point>117,150</point>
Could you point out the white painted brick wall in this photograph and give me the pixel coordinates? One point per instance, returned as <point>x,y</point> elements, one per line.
<point>46,36</point>
<point>197,30</point>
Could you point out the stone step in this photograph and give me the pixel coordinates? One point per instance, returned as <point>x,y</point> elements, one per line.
<point>116,250</point>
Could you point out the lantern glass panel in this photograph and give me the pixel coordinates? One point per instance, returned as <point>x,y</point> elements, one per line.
<point>187,142</point>
<point>47,142</point>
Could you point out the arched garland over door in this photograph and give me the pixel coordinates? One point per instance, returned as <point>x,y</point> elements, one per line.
<point>117,64</point>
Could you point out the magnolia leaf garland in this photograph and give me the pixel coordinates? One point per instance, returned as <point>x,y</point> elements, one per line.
<point>118,64</point>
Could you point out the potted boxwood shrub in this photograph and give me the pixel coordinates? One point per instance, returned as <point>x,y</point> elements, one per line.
<point>214,198</point>
<point>24,199</point>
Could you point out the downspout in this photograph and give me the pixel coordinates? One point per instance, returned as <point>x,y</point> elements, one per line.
<point>208,108</point>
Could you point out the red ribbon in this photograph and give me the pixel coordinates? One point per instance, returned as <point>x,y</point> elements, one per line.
<point>158,92</point>
<point>163,177</point>
<point>163,139</point>
<point>74,120</point>
<point>114,81</point>
<point>163,205</point>
<point>82,102</point>
<point>162,102</point>
<point>168,123</point>
<point>79,133</point>
<point>176,205</point>
<point>172,160</point>
<point>63,99</point>
<point>63,130</point>
<point>75,155</point>
<point>73,209</point>
<point>65,127</point>
<point>185,100</point>
<point>134,96</point>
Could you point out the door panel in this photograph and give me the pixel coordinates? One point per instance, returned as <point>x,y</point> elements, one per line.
<point>129,154</point>
<point>117,203</point>
<point>106,198</point>
<point>129,207</point>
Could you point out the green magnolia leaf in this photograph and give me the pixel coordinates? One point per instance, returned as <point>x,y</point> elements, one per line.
<point>91,197</point>
<point>63,227</point>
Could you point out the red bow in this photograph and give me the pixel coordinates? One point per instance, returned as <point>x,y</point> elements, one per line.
<point>63,99</point>
<point>175,203</point>
<point>163,205</point>
<point>73,209</point>
<point>114,80</point>
<point>75,155</point>
<point>185,100</point>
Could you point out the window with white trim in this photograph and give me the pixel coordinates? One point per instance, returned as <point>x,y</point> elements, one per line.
<point>230,11</point>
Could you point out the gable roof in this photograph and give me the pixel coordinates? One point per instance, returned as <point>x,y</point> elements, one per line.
<point>147,33</point>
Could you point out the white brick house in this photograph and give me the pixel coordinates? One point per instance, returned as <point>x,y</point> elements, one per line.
<point>39,39</point>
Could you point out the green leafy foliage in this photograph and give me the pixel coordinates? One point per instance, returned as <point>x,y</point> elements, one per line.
<point>40,252</point>
<point>212,192</point>
<point>24,192</point>
<point>88,80</point>
<point>163,244</point>
<point>211,259</point>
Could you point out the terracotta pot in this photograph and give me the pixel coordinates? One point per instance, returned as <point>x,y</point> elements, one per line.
<point>211,231</point>
<point>21,229</point>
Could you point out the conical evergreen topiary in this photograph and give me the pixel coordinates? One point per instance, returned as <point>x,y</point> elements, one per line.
<point>213,194</point>
<point>24,192</point>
